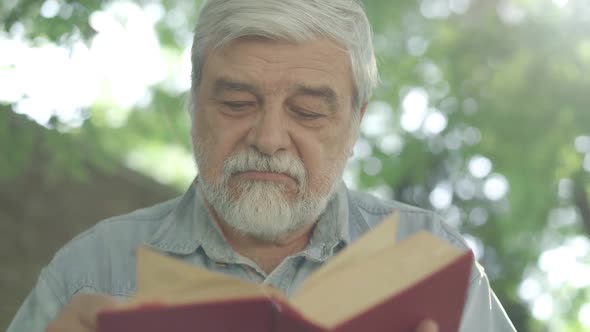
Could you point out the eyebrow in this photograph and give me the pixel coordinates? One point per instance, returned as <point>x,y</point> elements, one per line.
<point>223,84</point>
<point>324,92</point>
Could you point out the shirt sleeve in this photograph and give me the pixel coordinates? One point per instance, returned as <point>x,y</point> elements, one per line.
<point>483,312</point>
<point>40,307</point>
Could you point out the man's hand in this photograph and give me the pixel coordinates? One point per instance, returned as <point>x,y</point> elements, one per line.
<point>427,326</point>
<point>80,314</point>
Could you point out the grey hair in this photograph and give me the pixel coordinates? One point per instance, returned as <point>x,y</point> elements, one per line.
<point>342,21</point>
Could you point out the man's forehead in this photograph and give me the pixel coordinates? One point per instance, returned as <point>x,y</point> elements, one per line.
<point>316,47</point>
<point>315,67</point>
<point>260,39</point>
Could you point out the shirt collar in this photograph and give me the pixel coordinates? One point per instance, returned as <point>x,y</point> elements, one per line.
<point>332,231</point>
<point>189,225</point>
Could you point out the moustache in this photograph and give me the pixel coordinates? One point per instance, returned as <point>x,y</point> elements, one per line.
<point>252,160</point>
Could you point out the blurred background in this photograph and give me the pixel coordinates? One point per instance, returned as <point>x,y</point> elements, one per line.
<point>483,115</point>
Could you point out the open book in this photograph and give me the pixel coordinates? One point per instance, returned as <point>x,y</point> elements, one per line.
<point>373,285</point>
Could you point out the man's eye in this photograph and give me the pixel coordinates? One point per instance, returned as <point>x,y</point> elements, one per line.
<point>307,115</point>
<point>239,106</point>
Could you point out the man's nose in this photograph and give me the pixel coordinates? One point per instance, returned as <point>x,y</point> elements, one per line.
<point>269,133</point>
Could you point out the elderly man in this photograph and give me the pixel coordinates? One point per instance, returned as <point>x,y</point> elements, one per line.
<point>279,90</point>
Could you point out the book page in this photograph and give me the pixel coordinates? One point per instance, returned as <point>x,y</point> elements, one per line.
<point>380,237</point>
<point>166,280</point>
<point>373,280</point>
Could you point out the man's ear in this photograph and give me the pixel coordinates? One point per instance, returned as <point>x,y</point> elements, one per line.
<point>362,111</point>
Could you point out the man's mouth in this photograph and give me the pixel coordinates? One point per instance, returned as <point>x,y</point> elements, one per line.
<point>266,176</point>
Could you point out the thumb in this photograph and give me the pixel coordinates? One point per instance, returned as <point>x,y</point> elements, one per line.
<point>88,306</point>
<point>427,325</point>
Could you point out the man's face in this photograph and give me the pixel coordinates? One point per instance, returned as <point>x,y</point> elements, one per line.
<point>275,117</point>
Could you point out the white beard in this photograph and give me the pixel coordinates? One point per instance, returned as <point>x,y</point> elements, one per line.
<point>262,209</point>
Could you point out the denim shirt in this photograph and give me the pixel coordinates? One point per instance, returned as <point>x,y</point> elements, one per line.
<point>102,259</point>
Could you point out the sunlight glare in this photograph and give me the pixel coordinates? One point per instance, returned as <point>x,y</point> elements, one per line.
<point>479,166</point>
<point>414,105</point>
<point>123,51</point>
<point>11,87</point>
<point>582,144</point>
<point>49,9</point>
<point>584,315</point>
<point>378,120</point>
<point>391,144</point>
<point>124,59</point>
<point>54,82</point>
<point>560,3</point>
<point>180,166</point>
<point>511,13</point>
<point>529,289</point>
<point>496,187</point>
<point>442,196</point>
<point>459,6</point>
<point>435,123</point>
<point>436,9</point>
<point>564,265</point>
<point>362,149</point>
<point>543,307</point>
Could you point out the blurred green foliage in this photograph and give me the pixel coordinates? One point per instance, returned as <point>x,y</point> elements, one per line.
<point>511,78</point>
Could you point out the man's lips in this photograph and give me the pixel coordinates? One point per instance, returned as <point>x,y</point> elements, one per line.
<point>266,176</point>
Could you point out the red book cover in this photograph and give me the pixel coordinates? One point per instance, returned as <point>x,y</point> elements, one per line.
<point>439,297</point>
<point>247,315</point>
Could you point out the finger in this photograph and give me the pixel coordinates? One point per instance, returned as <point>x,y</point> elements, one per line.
<point>62,325</point>
<point>427,325</point>
<point>87,307</point>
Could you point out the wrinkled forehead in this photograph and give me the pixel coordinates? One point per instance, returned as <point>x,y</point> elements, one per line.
<point>330,47</point>
<point>225,46</point>
<point>270,63</point>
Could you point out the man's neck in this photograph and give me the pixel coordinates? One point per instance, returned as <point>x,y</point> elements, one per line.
<point>268,255</point>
